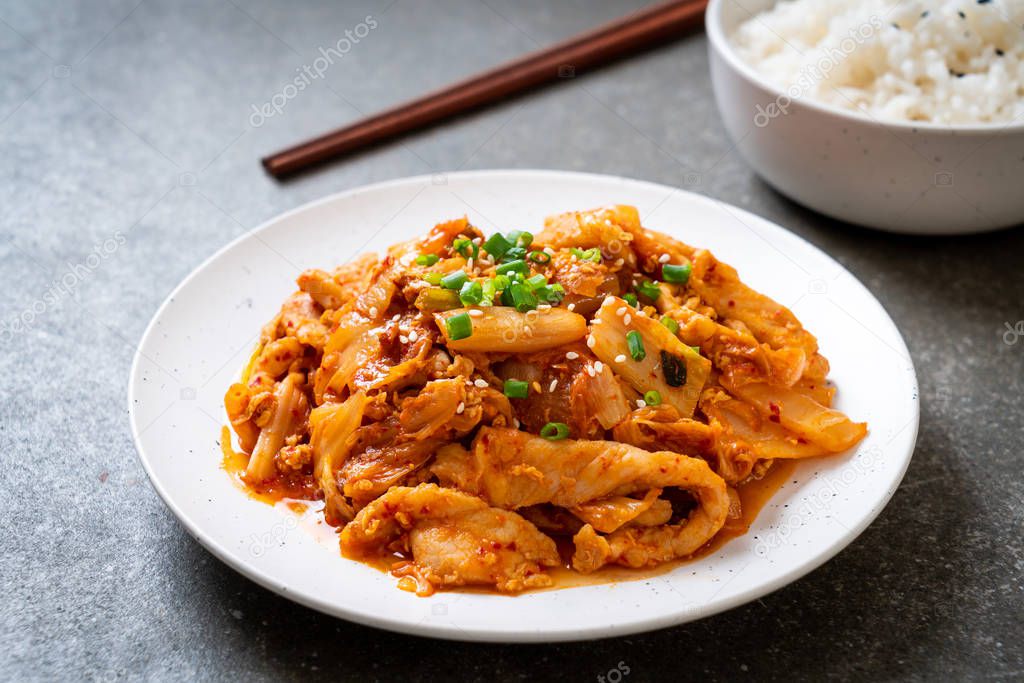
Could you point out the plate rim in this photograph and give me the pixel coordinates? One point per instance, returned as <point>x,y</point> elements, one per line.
<point>448,632</point>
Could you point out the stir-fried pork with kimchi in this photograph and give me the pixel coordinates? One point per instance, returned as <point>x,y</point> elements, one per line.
<point>480,409</point>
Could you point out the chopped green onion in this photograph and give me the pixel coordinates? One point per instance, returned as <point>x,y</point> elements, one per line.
<point>432,299</point>
<point>524,239</point>
<point>517,266</point>
<point>522,298</point>
<point>489,291</point>
<point>554,431</point>
<point>466,248</point>
<point>535,282</point>
<point>696,349</point>
<point>649,289</point>
<point>652,398</point>
<point>471,293</point>
<point>515,388</point>
<point>427,259</point>
<point>540,257</point>
<point>676,274</point>
<point>630,299</point>
<point>636,345</point>
<point>514,254</point>
<point>671,324</point>
<point>496,245</point>
<point>501,282</point>
<point>433,278</point>
<point>593,254</point>
<point>552,294</point>
<point>454,280</point>
<point>459,326</point>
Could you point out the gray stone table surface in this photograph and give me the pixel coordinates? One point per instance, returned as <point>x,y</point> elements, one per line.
<point>133,122</point>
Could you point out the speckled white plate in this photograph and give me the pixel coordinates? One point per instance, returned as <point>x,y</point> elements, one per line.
<point>202,335</point>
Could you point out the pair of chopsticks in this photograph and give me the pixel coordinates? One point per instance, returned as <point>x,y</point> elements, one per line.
<point>640,31</point>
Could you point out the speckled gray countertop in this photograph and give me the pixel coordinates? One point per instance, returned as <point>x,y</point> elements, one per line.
<point>136,119</point>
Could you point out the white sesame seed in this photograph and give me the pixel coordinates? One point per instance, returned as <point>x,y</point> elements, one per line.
<point>621,358</point>
<point>572,355</point>
<point>402,338</point>
<point>476,313</point>
<point>477,240</point>
<point>480,384</point>
<point>608,299</point>
<point>571,307</point>
<point>664,258</point>
<point>591,371</point>
<point>536,386</point>
<point>599,366</point>
<point>575,257</point>
<point>591,342</point>
<point>621,312</point>
<point>549,251</point>
<point>619,262</point>
<point>373,311</point>
<point>554,383</point>
<point>469,264</point>
<point>395,317</point>
<point>640,403</point>
<point>413,336</point>
<point>626,318</point>
<point>462,407</point>
<point>515,423</point>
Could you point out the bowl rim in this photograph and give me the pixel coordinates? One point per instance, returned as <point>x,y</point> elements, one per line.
<point>724,47</point>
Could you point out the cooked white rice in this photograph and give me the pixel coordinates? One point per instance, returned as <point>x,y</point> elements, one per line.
<point>941,61</point>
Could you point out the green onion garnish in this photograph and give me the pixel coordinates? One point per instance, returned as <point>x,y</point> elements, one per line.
<point>630,299</point>
<point>472,293</point>
<point>535,282</point>
<point>636,345</point>
<point>433,278</point>
<point>496,245</point>
<point>554,431</point>
<point>515,388</point>
<point>517,266</point>
<point>676,274</point>
<point>649,289</point>
<point>593,254</point>
<point>696,349</point>
<point>501,282</point>
<point>427,259</point>
<point>522,298</point>
<point>454,280</point>
<point>652,398</point>
<point>540,257</point>
<point>525,239</point>
<point>459,326</point>
<point>552,294</point>
<point>514,254</point>
<point>466,248</point>
<point>489,291</point>
<point>671,324</point>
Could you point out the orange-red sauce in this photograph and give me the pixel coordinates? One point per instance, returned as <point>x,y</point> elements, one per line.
<point>753,495</point>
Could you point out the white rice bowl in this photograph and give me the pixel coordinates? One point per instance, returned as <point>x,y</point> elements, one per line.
<point>943,61</point>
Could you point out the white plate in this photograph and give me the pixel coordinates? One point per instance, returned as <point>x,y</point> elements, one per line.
<point>202,335</point>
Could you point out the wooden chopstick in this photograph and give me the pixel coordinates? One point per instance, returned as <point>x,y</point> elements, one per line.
<point>645,29</point>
